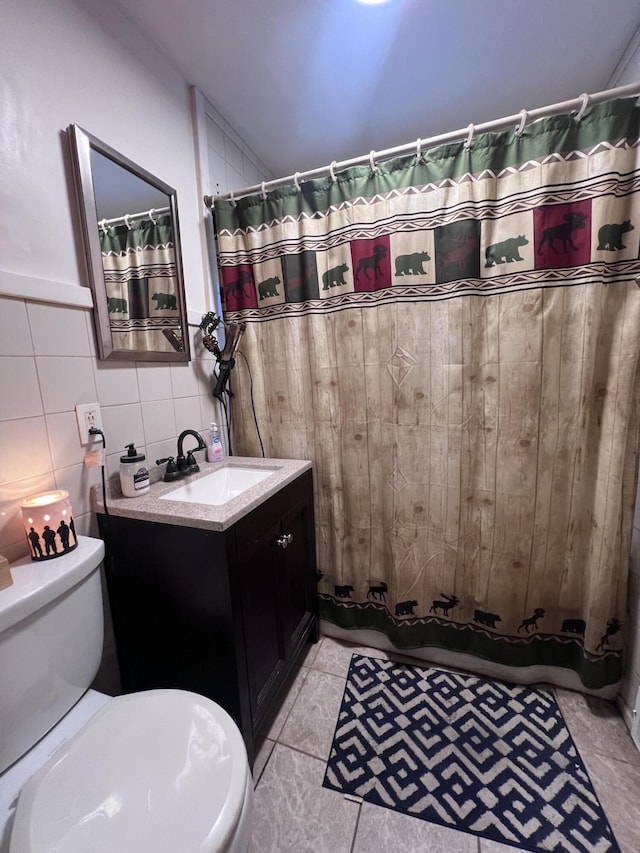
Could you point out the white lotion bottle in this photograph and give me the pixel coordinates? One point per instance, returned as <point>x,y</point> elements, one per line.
<point>215,449</point>
<point>134,474</point>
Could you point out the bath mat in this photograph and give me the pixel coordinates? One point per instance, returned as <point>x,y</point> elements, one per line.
<point>481,756</point>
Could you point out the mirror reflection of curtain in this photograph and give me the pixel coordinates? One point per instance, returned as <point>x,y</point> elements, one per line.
<point>142,288</point>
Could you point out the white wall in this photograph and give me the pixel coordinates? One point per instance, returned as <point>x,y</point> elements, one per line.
<point>64,63</point>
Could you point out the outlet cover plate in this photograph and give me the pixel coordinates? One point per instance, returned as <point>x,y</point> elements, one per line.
<point>88,414</point>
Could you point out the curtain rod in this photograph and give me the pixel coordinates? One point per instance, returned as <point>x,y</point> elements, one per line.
<point>155,211</point>
<point>519,120</point>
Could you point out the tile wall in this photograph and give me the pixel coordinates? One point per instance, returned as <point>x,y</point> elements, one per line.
<point>47,365</point>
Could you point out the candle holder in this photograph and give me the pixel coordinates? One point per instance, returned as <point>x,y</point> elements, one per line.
<point>48,524</point>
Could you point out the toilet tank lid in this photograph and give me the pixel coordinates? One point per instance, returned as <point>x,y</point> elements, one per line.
<point>37,583</point>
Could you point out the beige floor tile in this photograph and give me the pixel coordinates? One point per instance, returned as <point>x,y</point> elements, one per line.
<point>382,830</point>
<point>293,813</point>
<point>273,725</point>
<point>597,726</point>
<point>334,656</point>
<point>311,724</point>
<point>617,785</point>
<point>260,761</point>
<point>309,654</point>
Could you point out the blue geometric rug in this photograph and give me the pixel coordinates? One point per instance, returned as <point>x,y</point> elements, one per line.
<point>481,756</point>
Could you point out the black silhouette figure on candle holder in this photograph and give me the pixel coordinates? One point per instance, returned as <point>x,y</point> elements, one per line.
<point>72,528</point>
<point>34,541</point>
<point>49,537</point>
<point>63,532</point>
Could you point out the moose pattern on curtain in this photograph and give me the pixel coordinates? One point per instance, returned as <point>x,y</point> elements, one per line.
<point>453,341</point>
<point>139,264</point>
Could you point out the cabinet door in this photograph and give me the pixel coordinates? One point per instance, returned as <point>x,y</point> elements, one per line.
<point>259,577</point>
<point>297,575</point>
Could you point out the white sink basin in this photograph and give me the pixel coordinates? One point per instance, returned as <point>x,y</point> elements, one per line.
<point>220,486</point>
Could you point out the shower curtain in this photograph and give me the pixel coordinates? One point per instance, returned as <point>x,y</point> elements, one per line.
<point>452,339</point>
<point>139,264</point>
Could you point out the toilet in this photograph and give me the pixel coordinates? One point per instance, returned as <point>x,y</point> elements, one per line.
<point>161,770</point>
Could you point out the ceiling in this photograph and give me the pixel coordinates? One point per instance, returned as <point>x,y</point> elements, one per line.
<point>305,82</point>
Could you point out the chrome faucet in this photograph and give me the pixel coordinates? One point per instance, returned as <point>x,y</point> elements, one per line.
<point>183,465</point>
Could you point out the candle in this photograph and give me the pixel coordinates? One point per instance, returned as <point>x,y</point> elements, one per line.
<point>48,524</point>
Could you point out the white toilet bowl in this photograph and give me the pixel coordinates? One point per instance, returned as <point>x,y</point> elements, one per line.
<point>163,771</point>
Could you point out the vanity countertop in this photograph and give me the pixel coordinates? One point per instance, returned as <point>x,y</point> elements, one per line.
<point>149,507</point>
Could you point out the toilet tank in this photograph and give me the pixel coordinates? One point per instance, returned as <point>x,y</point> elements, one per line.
<point>51,634</point>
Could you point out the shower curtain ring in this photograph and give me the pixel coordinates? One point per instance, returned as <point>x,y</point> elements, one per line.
<point>418,150</point>
<point>104,226</point>
<point>332,171</point>
<point>583,106</point>
<point>127,221</point>
<point>263,190</point>
<point>296,181</point>
<point>471,129</point>
<point>152,216</point>
<point>372,161</point>
<point>232,199</point>
<point>523,120</point>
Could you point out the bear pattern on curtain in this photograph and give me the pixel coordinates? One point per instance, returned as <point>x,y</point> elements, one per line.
<point>453,340</point>
<point>139,264</point>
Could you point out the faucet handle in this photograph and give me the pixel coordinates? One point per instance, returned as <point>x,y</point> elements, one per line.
<point>171,472</point>
<point>192,465</point>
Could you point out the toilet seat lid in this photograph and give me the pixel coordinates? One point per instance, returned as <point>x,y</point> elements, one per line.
<point>163,770</point>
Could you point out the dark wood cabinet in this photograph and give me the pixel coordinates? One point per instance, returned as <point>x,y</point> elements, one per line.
<point>226,614</point>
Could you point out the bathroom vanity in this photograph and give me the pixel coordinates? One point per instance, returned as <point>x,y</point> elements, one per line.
<point>216,599</point>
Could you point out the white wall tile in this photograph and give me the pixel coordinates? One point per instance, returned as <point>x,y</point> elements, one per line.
<point>65,382</point>
<point>250,171</point>
<point>77,480</point>
<point>11,530</point>
<point>57,330</point>
<point>19,388</point>
<point>233,137</point>
<point>24,449</point>
<point>154,381</point>
<point>188,414</point>
<point>64,440</point>
<point>209,412</point>
<point>235,179</point>
<point>217,172</point>
<point>87,525</point>
<point>184,380</point>
<point>16,552</point>
<point>159,420</point>
<point>116,382</point>
<point>233,154</point>
<point>91,334</point>
<point>15,335</point>
<point>121,426</point>
<point>161,450</point>
<point>215,135</point>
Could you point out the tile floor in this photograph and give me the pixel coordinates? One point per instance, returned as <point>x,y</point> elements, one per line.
<point>293,812</point>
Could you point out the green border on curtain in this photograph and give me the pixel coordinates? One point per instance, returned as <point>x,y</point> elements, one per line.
<point>611,120</point>
<point>595,673</point>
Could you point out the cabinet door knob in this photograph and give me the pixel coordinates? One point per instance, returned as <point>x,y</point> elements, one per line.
<point>285,540</point>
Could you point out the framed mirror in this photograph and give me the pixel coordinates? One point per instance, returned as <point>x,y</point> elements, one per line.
<point>132,245</point>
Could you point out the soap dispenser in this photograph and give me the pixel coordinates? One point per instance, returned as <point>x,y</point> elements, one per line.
<point>134,474</point>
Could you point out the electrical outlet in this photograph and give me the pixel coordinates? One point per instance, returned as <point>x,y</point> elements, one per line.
<point>88,415</point>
